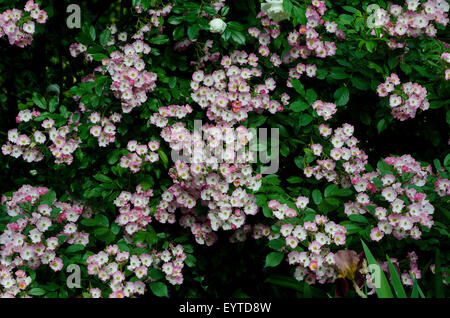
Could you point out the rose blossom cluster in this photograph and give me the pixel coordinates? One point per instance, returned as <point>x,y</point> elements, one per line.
<point>216,175</point>
<point>18,26</point>
<point>303,42</point>
<point>412,20</point>
<point>403,208</point>
<point>324,110</point>
<point>442,187</point>
<point>104,129</point>
<point>228,95</point>
<point>64,142</point>
<point>14,284</point>
<point>134,209</point>
<point>130,81</point>
<point>139,154</point>
<point>446,57</point>
<point>127,274</point>
<point>404,99</point>
<point>315,264</point>
<point>33,239</point>
<point>282,211</point>
<point>160,119</point>
<point>344,154</point>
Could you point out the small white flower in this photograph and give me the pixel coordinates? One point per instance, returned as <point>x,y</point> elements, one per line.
<point>217,25</point>
<point>274,9</point>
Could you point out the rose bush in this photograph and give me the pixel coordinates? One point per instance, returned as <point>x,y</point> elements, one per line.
<point>225,148</point>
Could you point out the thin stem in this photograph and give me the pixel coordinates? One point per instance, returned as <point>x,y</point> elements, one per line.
<point>359,291</point>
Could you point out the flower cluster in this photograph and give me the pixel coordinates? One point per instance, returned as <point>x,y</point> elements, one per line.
<point>19,26</point>
<point>130,81</point>
<point>315,264</point>
<point>105,133</point>
<point>412,20</point>
<point>303,42</point>
<point>404,208</point>
<point>41,225</point>
<point>325,110</point>
<point>127,274</point>
<point>228,95</point>
<point>160,119</point>
<point>282,211</point>
<point>216,176</point>
<point>344,155</point>
<point>64,142</point>
<point>138,154</point>
<point>76,49</point>
<point>442,187</point>
<point>404,100</point>
<point>134,210</point>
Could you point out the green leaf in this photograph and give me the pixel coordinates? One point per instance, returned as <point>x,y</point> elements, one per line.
<point>298,86</point>
<point>294,179</point>
<point>159,39</point>
<point>329,190</point>
<point>113,156</point>
<point>52,103</point>
<point>101,220</point>
<point>193,32</point>
<point>298,106</point>
<point>159,289</point>
<point>305,120</point>
<point>396,281</point>
<point>299,15</point>
<point>224,11</point>
<point>178,32</point>
<point>317,196</point>
<point>384,290</point>
<point>238,37</point>
<point>287,6</point>
<point>163,157</point>
<point>358,218</point>
<point>36,292</point>
<point>89,222</point>
<point>102,178</point>
<point>99,56</point>
<point>311,96</point>
<point>48,198</point>
<point>92,33</point>
<point>274,259</point>
<point>277,243</point>
<point>39,101</point>
<point>342,96</point>
<point>381,125</point>
<point>447,161</point>
<point>105,37</point>
<point>75,248</point>
<point>175,20</point>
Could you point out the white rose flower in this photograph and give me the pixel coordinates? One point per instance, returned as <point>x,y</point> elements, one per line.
<point>274,9</point>
<point>217,25</point>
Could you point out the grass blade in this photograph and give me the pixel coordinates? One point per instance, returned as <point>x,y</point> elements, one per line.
<point>396,281</point>
<point>416,288</point>
<point>384,290</point>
